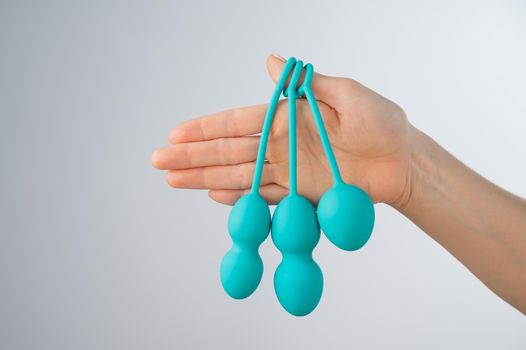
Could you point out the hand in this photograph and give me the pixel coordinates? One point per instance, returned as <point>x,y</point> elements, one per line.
<point>370,136</point>
<point>377,150</point>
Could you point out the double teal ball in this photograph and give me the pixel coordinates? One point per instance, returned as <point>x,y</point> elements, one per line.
<point>298,280</point>
<point>248,225</point>
<point>346,216</point>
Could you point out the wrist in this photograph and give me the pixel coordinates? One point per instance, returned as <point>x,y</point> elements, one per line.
<point>422,169</point>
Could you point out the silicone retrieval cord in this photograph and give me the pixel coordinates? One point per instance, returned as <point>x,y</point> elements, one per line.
<point>267,124</point>
<point>306,89</point>
<point>293,162</point>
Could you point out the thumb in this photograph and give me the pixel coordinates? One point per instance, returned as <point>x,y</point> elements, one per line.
<point>330,90</point>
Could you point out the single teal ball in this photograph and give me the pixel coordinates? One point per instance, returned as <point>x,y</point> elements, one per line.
<point>298,283</point>
<point>295,227</point>
<point>249,225</point>
<point>346,216</point>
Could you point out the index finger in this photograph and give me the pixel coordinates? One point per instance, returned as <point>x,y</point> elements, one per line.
<point>230,123</point>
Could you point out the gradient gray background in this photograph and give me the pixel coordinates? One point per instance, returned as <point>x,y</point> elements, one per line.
<point>97,252</point>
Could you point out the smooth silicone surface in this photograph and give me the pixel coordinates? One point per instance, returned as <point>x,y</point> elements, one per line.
<point>298,280</point>
<point>248,225</point>
<point>346,214</point>
<point>249,221</point>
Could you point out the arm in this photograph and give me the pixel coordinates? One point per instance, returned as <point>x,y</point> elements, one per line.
<point>482,225</point>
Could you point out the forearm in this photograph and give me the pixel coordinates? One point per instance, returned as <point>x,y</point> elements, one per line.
<point>481,224</point>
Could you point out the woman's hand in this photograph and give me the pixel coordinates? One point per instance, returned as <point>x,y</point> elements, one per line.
<point>369,134</point>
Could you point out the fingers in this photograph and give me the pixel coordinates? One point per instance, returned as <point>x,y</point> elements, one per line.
<point>229,123</point>
<point>272,193</point>
<point>231,177</point>
<point>331,90</point>
<point>225,151</point>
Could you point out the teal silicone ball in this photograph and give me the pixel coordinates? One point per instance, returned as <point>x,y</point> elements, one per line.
<point>346,216</point>
<point>249,225</point>
<point>295,226</point>
<point>249,220</point>
<point>298,281</point>
<point>241,271</point>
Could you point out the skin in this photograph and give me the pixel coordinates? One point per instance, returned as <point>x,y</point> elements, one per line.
<point>377,149</point>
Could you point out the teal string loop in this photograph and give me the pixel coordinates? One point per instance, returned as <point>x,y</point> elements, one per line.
<point>293,163</point>
<point>267,124</point>
<point>306,89</point>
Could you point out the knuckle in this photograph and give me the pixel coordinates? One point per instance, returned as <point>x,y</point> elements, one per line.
<point>224,151</point>
<point>272,173</point>
<point>203,126</point>
<point>235,154</point>
<point>232,126</point>
<point>243,177</point>
<point>348,84</point>
<point>281,175</point>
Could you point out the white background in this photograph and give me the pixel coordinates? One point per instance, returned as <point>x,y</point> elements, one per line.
<point>97,252</point>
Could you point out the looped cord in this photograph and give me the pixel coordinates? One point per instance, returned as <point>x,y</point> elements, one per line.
<point>267,124</point>
<point>307,80</point>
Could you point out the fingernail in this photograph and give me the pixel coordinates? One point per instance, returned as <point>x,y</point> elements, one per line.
<point>278,56</point>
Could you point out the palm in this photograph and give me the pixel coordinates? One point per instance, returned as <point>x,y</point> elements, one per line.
<point>366,145</point>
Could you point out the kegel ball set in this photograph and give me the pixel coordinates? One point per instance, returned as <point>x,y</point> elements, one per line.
<point>345,214</point>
